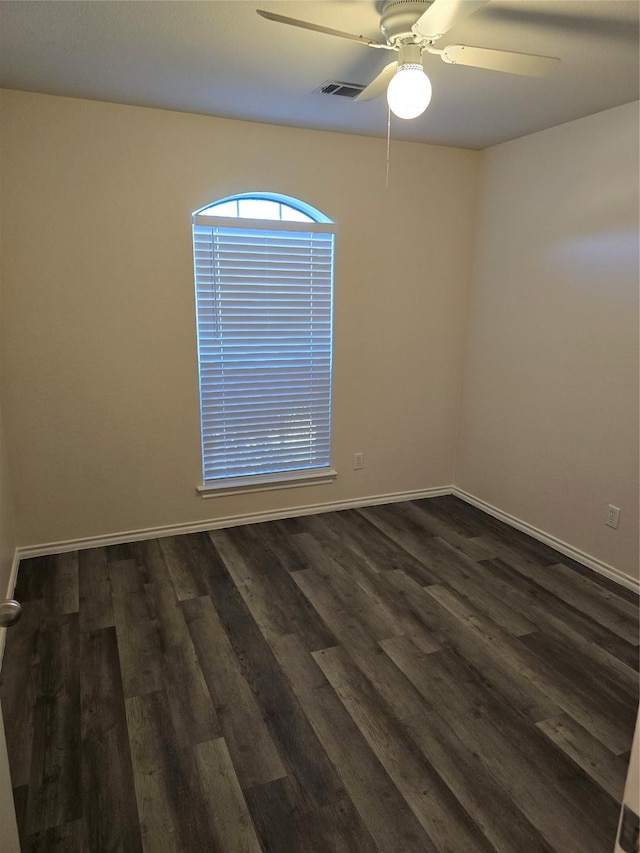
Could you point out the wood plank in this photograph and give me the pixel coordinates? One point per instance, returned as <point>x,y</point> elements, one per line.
<point>613,612</point>
<point>478,651</point>
<point>192,712</point>
<point>602,580</point>
<point>171,803</point>
<point>158,825</point>
<point>18,688</point>
<point>33,576</point>
<point>299,749</point>
<point>558,617</point>
<point>373,615</point>
<point>268,590</point>
<point>280,536</point>
<point>555,797</point>
<point>67,838</point>
<point>94,587</point>
<point>280,821</point>
<point>596,717</point>
<point>383,810</point>
<point>392,521</point>
<point>118,552</point>
<point>351,529</point>
<point>136,629</point>
<point>299,667</point>
<point>609,716</point>
<point>438,812</point>
<point>188,562</point>
<point>229,817</point>
<point>450,517</point>
<point>447,565</point>
<point>251,747</point>
<point>388,681</point>
<point>62,586</point>
<point>363,571</point>
<point>343,622</point>
<point>54,796</point>
<point>486,800</point>
<point>108,794</point>
<point>529,550</point>
<point>340,828</point>
<point>20,796</point>
<point>466,577</point>
<point>609,609</point>
<point>411,517</point>
<point>615,678</point>
<point>371,580</point>
<point>605,768</point>
<point>149,557</point>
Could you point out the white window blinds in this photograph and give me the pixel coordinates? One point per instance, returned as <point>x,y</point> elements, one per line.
<point>264,311</point>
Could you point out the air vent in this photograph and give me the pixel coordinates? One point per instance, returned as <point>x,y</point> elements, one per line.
<point>336,87</point>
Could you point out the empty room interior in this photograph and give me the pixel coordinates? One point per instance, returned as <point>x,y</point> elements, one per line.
<point>319,492</point>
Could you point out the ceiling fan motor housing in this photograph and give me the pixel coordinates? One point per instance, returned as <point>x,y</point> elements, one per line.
<point>398,16</point>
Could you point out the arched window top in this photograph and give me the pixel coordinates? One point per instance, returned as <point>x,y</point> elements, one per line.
<point>267,206</point>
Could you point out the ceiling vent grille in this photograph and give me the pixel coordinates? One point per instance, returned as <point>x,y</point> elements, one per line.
<point>336,87</point>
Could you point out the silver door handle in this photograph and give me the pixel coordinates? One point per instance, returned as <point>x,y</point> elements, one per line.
<point>10,612</point>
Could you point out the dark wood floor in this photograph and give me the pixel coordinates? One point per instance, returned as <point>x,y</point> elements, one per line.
<point>409,678</point>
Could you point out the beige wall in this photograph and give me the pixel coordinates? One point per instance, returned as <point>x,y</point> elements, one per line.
<point>100,388</point>
<point>99,384</point>
<point>549,424</point>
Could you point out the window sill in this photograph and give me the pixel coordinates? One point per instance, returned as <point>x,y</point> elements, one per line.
<point>245,485</point>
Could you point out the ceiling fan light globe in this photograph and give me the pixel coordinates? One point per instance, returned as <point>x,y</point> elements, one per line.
<point>409,92</point>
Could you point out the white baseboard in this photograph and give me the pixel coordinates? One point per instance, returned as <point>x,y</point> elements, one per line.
<point>224,521</point>
<point>312,509</point>
<point>564,548</point>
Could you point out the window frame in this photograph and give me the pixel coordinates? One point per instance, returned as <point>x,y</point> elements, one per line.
<point>320,224</point>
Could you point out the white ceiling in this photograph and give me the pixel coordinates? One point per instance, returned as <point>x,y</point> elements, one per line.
<point>218,57</point>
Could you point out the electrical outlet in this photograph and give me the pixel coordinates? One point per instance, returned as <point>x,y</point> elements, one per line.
<point>613,516</point>
<point>358,461</point>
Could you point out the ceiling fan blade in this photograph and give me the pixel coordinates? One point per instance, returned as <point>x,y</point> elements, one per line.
<point>442,15</point>
<point>379,84</point>
<point>305,25</point>
<point>526,64</point>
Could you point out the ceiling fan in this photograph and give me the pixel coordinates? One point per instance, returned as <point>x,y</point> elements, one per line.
<point>411,28</point>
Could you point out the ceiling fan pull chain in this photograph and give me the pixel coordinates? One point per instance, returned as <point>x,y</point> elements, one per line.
<point>386,179</point>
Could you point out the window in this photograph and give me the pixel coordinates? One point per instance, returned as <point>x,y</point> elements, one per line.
<point>264,293</point>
